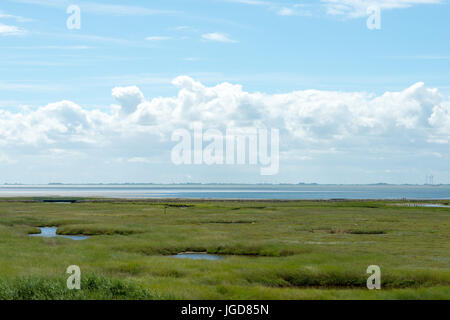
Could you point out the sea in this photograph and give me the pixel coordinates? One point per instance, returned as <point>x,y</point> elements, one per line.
<point>232,191</point>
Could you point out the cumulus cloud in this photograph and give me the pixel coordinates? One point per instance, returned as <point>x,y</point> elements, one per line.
<point>128,97</point>
<point>416,117</point>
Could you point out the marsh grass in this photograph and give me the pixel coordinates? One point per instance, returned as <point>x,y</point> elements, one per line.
<point>89,230</point>
<point>92,287</point>
<point>332,277</point>
<point>272,249</point>
<point>32,230</point>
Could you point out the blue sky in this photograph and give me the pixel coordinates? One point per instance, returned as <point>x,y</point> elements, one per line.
<point>273,48</point>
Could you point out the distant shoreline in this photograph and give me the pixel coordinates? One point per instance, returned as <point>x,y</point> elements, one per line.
<point>219,184</point>
<point>59,200</point>
<point>230,192</point>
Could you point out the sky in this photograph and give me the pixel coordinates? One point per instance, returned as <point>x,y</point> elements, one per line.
<point>100,103</point>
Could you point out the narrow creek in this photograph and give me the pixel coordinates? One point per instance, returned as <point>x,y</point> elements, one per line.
<point>197,256</point>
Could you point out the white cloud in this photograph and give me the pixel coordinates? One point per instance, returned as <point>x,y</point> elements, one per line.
<point>157,38</point>
<point>295,10</point>
<point>50,47</point>
<point>358,8</point>
<point>218,37</point>
<point>251,2</point>
<point>281,9</point>
<point>5,159</point>
<point>7,30</point>
<point>312,123</point>
<point>17,18</point>
<point>141,160</point>
<point>128,97</point>
<point>182,28</point>
<point>286,11</point>
<point>100,8</point>
<point>347,8</point>
<point>122,10</point>
<point>30,86</point>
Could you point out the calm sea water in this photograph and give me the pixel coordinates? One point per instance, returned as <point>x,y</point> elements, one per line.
<point>286,192</point>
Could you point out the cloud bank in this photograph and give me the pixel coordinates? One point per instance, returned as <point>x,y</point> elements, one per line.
<point>416,113</point>
<point>312,123</point>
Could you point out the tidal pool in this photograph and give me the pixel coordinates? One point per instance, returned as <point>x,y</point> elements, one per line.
<point>50,232</point>
<point>197,256</point>
<point>429,205</point>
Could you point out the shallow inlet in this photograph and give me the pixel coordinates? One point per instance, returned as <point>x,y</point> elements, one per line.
<point>429,205</point>
<point>197,256</point>
<point>50,232</point>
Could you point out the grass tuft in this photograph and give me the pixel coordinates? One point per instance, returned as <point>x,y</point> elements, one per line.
<point>92,287</point>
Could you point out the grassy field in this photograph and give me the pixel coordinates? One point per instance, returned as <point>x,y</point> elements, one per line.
<point>272,250</point>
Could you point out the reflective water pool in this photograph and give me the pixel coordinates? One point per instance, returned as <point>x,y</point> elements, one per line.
<point>197,256</point>
<point>50,232</point>
<point>429,205</point>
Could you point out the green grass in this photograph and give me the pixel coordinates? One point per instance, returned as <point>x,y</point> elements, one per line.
<point>272,249</point>
<point>94,287</point>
